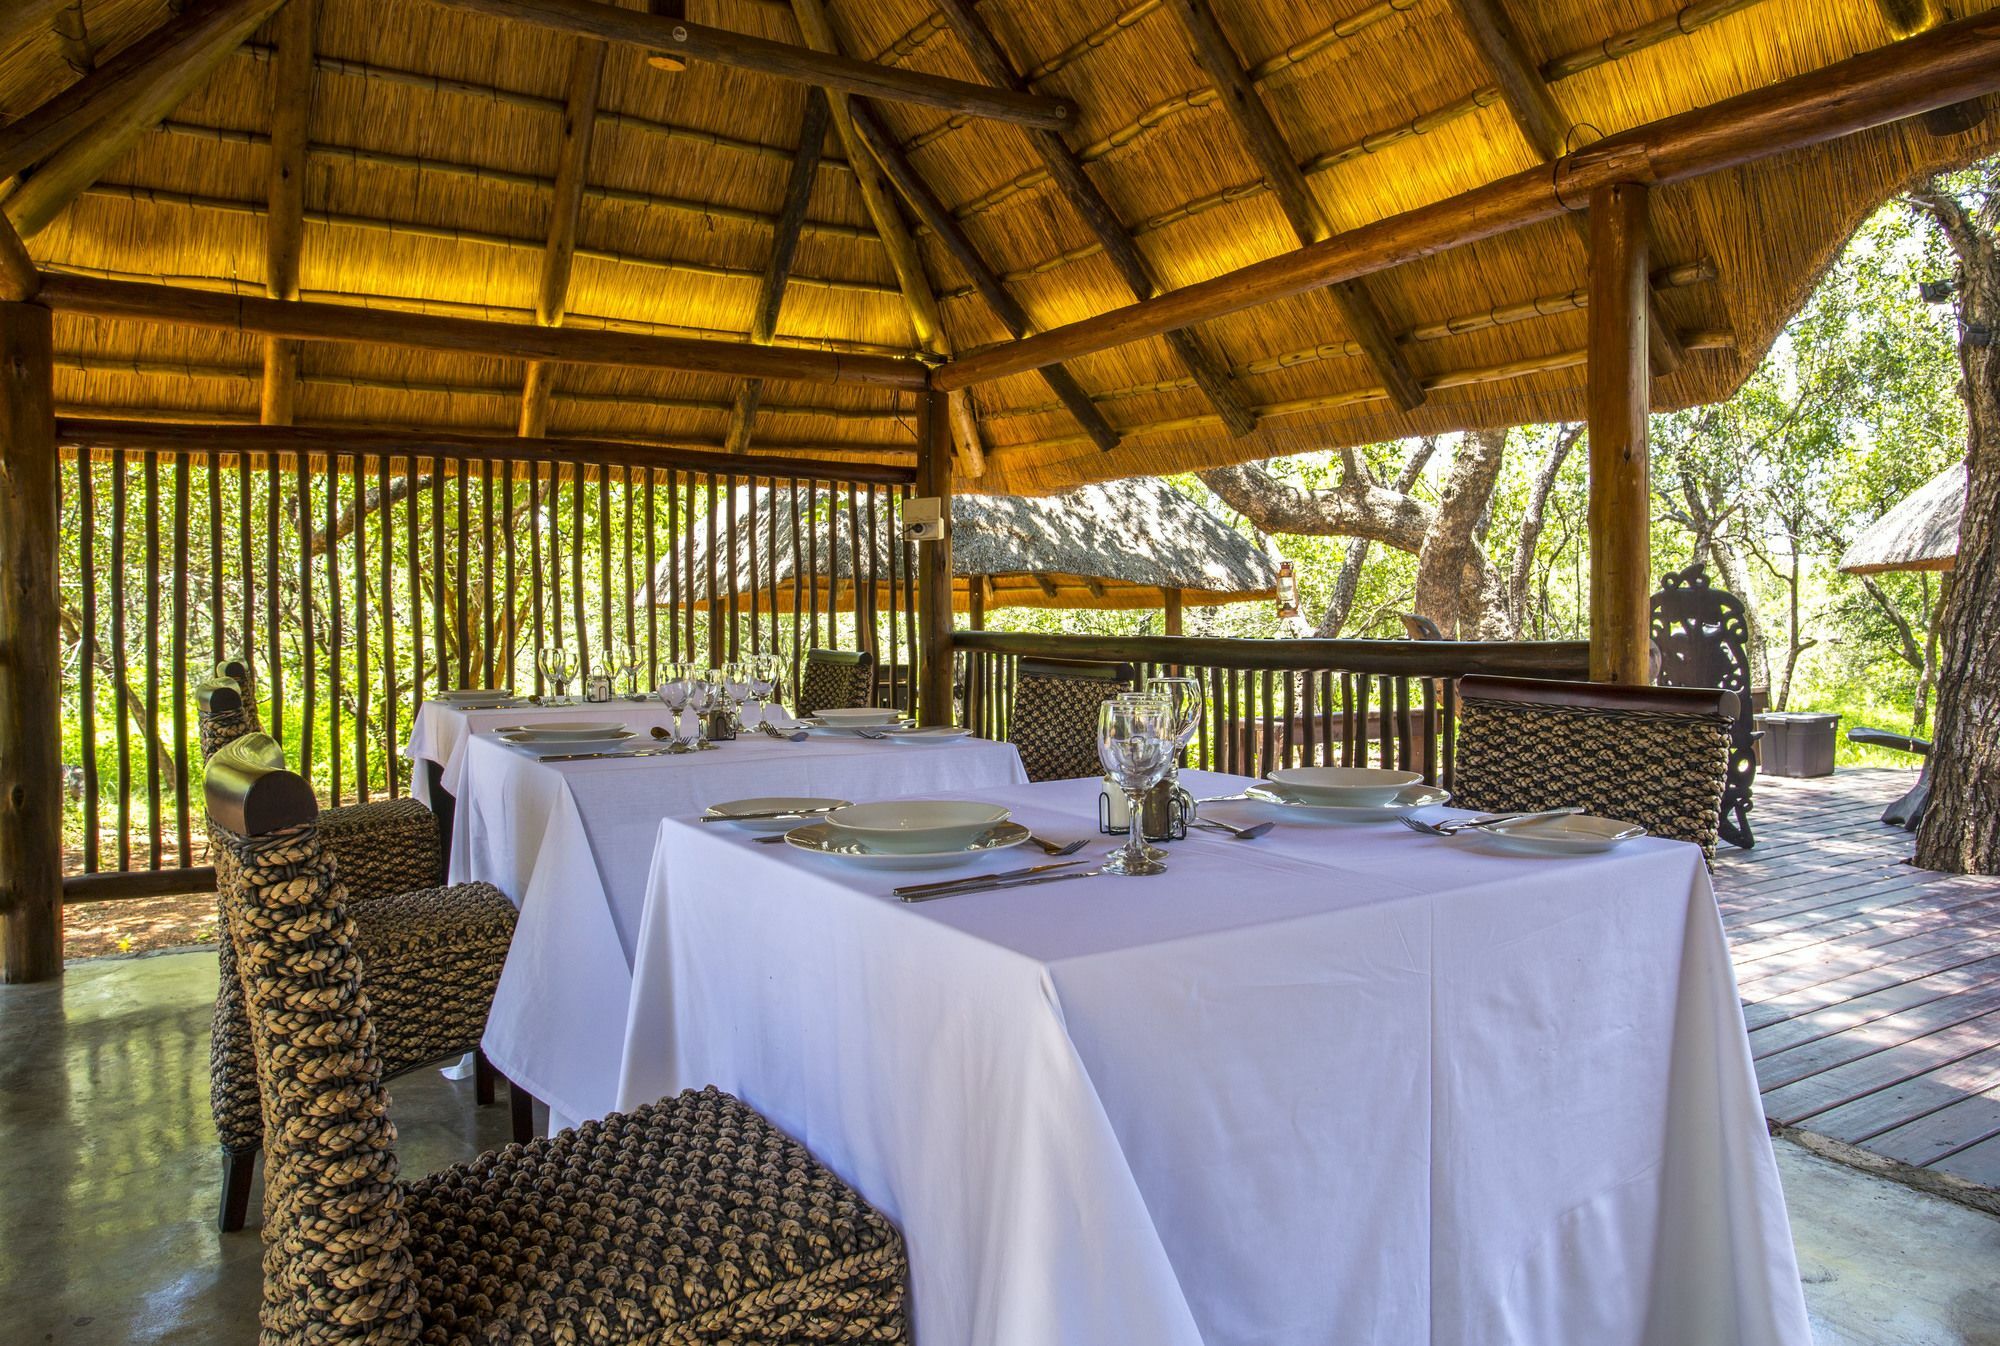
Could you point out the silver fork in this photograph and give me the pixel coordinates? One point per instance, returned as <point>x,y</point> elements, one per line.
<point>1453,826</point>
<point>1055,847</point>
<point>1250,833</point>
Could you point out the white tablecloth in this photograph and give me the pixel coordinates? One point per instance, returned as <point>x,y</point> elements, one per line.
<point>1335,1085</point>
<point>440,732</point>
<point>570,843</point>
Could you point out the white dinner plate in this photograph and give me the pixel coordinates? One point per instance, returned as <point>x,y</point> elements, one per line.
<point>918,826</point>
<point>553,747</point>
<point>1412,798</point>
<point>928,733</point>
<point>1356,787</point>
<point>853,715</point>
<point>563,731</point>
<point>794,804</point>
<point>825,839</point>
<point>1577,834</point>
<point>474,696</point>
<point>818,730</point>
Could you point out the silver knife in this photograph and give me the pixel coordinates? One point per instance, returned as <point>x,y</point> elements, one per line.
<point>911,888</point>
<point>599,756</point>
<point>1001,885</point>
<point>766,817</point>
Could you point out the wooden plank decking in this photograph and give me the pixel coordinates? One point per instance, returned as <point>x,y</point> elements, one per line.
<point>1871,988</point>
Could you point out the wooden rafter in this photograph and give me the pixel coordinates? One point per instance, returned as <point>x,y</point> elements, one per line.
<point>18,278</point>
<point>918,298</point>
<point>306,320</point>
<point>778,267</point>
<point>1947,65</point>
<point>586,76</point>
<point>1907,18</point>
<point>73,37</point>
<point>284,224</point>
<point>66,143</point>
<point>952,236</point>
<point>1075,186</point>
<point>1547,132</point>
<point>1274,160</point>
<point>807,64</point>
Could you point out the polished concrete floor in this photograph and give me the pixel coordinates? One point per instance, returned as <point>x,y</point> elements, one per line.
<point>110,1183</point>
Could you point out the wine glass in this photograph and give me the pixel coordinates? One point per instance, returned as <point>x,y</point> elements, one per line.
<point>1135,744</point>
<point>558,665</point>
<point>704,690</point>
<point>765,672</point>
<point>736,686</point>
<point>628,664</point>
<point>1183,697</point>
<point>673,694</point>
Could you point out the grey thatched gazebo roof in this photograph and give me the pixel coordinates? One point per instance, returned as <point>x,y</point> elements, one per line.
<point>1919,533</point>
<point>1119,544</point>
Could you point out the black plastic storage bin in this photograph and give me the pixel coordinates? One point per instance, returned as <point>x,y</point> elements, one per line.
<point>1797,744</point>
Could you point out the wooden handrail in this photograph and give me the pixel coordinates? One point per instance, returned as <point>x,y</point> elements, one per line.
<point>1410,658</point>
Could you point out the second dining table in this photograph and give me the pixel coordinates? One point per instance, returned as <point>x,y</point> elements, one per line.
<point>570,843</point>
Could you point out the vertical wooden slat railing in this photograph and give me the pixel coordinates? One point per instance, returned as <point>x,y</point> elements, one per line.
<point>356,583</point>
<point>1275,703</point>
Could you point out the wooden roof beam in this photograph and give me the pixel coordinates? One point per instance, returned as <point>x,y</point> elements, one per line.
<point>918,297</point>
<point>93,433</point>
<point>18,278</point>
<point>1074,186</point>
<point>1947,65</point>
<point>586,78</point>
<point>73,37</point>
<point>284,222</point>
<point>1907,18</point>
<point>308,321</point>
<point>952,236</point>
<point>778,266</point>
<point>808,65</point>
<point>1274,160</point>
<point>70,140</point>
<point>1547,131</point>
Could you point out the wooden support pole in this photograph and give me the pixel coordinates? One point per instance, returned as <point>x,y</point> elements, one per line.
<point>975,602</point>
<point>934,619</point>
<point>828,70</point>
<point>284,224</point>
<point>307,320</point>
<point>586,76</point>
<point>1947,65</point>
<point>1170,609</point>
<point>30,772</point>
<point>69,141</point>
<point>1621,561</point>
<point>965,435</point>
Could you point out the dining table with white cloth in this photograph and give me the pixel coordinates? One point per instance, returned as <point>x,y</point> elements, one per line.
<point>1336,1084</point>
<point>439,734</point>
<point>571,843</point>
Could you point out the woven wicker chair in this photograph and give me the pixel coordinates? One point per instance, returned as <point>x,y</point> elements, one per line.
<point>1651,755</point>
<point>1054,721</point>
<point>689,1220</point>
<point>416,941</point>
<point>835,679</point>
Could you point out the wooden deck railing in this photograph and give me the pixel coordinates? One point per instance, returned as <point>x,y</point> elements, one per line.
<point>1274,703</point>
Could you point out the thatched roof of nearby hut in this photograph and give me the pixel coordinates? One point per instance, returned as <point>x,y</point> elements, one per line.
<point>1116,544</point>
<point>1920,532</point>
<point>434,143</point>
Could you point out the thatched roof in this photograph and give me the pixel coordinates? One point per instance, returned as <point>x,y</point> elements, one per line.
<point>1920,532</point>
<point>1112,545</point>
<point>435,138</point>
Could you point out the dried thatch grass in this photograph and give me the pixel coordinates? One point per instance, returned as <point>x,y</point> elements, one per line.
<point>1919,532</point>
<point>435,136</point>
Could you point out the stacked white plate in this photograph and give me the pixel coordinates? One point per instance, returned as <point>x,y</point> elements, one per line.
<point>464,697</point>
<point>849,721</point>
<point>934,733</point>
<point>552,736</point>
<point>748,813</point>
<point>1325,794</point>
<point>910,834</point>
<point>1576,834</point>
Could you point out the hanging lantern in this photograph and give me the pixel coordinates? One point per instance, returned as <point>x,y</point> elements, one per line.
<point>1288,591</point>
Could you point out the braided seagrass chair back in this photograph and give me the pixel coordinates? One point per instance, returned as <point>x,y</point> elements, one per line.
<point>689,1220</point>
<point>1656,756</point>
<point>222,713</point>
<point>835,680</point>
<point>1054,721</point>
<point>337,1265</point>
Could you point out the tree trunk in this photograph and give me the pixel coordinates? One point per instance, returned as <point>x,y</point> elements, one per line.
<point>1341,605</point>
<point>1961,828</point>
<point>1533,520</point>
<point>1443,593</point>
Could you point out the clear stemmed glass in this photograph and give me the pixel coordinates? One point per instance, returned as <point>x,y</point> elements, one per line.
<point>764,671</point>
<point>673,695</point>
<point>1135,744</point>
<point>1183,697</point>
<point>736,689</point>
<point>704,690</point>
<point>628,664</point>
<point>558,665</point>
